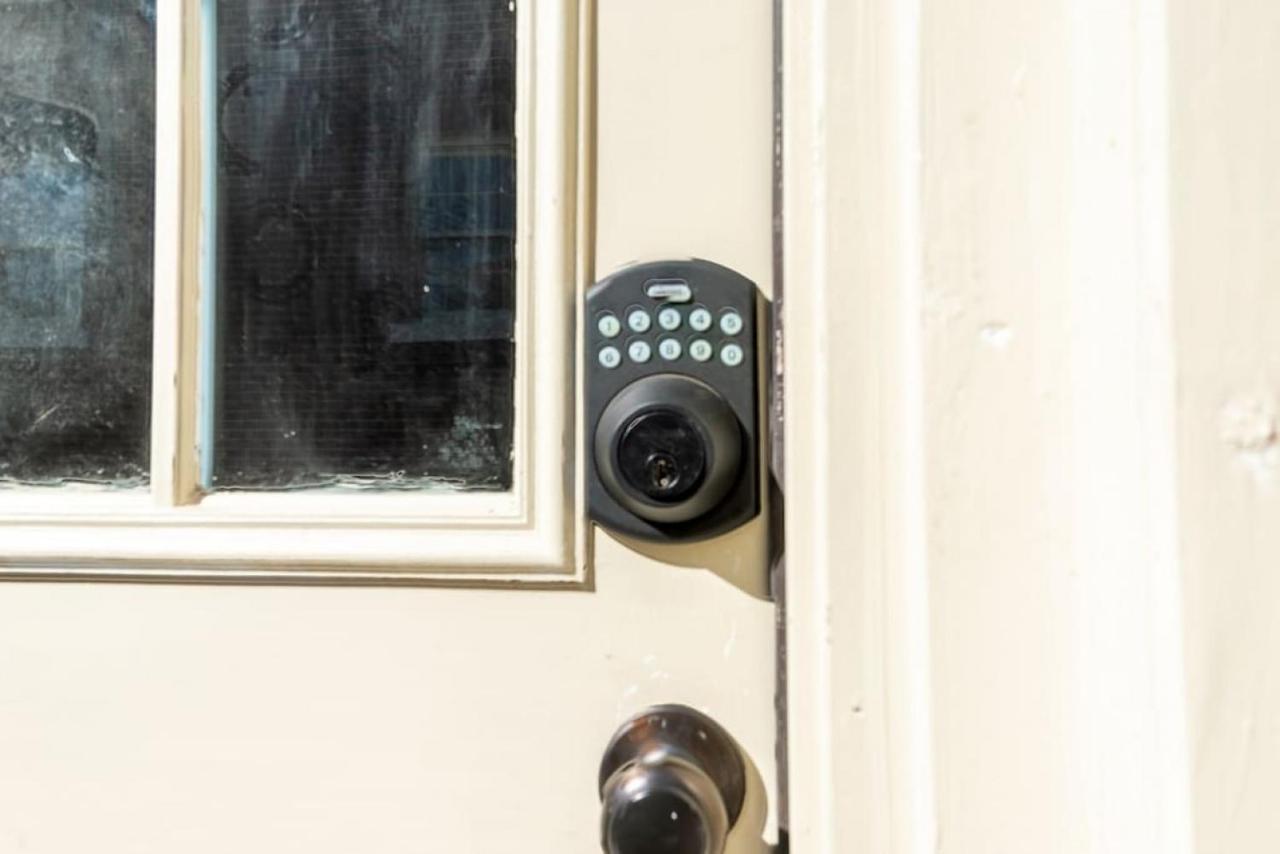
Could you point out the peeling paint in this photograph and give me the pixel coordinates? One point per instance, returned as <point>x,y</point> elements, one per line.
<point>1250,426</point>
<point>733,639</point>
<point>997,336</point>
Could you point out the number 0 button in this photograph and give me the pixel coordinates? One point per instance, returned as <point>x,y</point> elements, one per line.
<point>700,319</point>
<point>701,350</point>
<point>731,355</point>
<point>730,323</point>
<point>640,351</point>
<point>610,357</point>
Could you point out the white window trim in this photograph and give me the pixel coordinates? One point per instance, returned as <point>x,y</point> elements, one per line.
<point>532,535</point>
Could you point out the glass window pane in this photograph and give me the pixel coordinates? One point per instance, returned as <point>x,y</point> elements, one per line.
<point>366,244</point>
<point>77,129</point>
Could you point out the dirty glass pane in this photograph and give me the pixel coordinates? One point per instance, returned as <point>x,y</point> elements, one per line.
<point>366,258</point>
<point>77,132</point>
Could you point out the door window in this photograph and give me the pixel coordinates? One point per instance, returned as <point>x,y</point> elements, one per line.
<point>366,215</point>
<point>275,266</point>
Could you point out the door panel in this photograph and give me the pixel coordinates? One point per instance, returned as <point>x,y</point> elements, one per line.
<point>199,719</point>
<point>214,719</point>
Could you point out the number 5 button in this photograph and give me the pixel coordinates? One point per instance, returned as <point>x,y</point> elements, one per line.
<point>730,323</point>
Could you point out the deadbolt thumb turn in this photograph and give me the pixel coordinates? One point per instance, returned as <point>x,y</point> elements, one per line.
<point>672,782</point>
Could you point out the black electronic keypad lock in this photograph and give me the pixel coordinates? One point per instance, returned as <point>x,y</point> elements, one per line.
<point>673,427</point>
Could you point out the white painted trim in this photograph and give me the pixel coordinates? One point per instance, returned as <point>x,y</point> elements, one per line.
<point>1129,702</point>
<point>887,704</point>
<point>170,209</point>
<point>536,529</point>
<point>858,660</point>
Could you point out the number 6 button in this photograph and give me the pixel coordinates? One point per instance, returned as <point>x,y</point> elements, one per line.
<point>610,357</point>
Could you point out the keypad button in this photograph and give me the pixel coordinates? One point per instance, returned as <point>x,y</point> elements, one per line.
<point>732,355</point>
<point>669,319</point>
<point>610,357</point>
<point>669,349</point>
<point>701,350</point>
<point>730,323</point>
<point>638,321</point>
<point>609,325</point>
<point>640,351</point>
<point>700,319</point>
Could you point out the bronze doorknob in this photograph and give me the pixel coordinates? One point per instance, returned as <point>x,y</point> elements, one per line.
<point>672,782</point>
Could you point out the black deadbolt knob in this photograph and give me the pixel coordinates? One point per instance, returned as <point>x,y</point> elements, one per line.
<point>668,448</point>
<point>663,454</point>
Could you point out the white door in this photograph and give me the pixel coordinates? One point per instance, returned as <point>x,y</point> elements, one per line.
<point>292,512</point>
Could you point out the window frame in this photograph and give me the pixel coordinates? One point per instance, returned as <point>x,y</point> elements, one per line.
<point>533,534</point>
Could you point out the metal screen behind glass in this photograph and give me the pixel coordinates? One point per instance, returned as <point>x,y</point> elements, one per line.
<point>366,244</point>
<point>77,173</point>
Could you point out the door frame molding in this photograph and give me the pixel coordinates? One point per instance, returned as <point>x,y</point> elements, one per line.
<point>1053,641</point>
<point>858,705</point>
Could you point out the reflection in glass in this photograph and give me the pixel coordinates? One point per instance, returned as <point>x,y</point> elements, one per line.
<point>366,256</point>
<point>77,130</point>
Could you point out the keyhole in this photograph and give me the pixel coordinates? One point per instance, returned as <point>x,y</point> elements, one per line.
<point>663,472</point>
